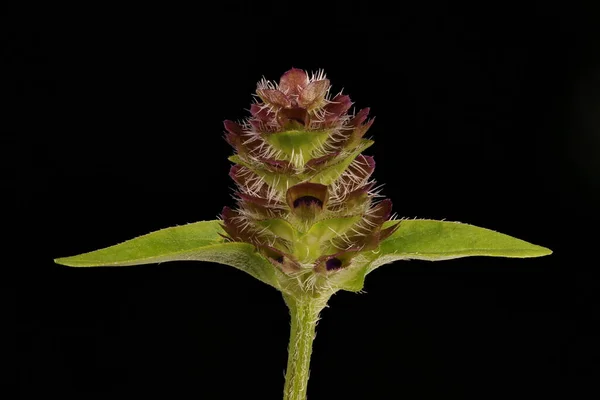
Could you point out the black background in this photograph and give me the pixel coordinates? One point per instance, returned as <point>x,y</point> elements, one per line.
<point>114,129</point>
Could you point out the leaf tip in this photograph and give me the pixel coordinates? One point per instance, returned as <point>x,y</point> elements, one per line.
<point>64,261</point>
<point>74,261</point>
<point>544,251</point>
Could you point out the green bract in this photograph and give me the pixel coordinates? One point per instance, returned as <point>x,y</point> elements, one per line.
<point>309,220</point>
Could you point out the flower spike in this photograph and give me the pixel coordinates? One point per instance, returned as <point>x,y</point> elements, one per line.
<point>305,162</point>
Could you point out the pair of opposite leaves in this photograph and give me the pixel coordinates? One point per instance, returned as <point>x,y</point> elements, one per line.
<point>414,239</point>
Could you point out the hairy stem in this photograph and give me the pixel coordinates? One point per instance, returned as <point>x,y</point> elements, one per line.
<point>304,312</point>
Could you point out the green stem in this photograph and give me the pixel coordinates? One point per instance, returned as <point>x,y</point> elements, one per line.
<point>304,312</point>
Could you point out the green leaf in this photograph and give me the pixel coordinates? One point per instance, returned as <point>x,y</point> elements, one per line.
<point>442,240</point>
<point>434,241</point>
<point>199,241</point>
